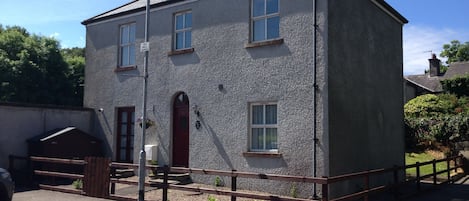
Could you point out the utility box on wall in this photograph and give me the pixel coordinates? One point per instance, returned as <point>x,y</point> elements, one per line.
<point>151,152</point>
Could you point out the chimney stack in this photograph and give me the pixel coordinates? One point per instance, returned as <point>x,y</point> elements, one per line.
<point>434,66</point>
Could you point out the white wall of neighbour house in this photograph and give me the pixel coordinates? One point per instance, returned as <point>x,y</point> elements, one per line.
<point>20,122</point>
<point>279,73</point>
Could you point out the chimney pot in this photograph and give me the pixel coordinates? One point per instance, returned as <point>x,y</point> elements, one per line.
<point>434,66</point>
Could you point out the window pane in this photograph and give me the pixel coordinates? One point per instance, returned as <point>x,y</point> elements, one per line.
<point>124,58</point>
<point>259,30</point>
<point>131,55</point>
<point>179,22</point>
<point>179,40</point>
<point>273,27</point>
<point>188,38</point>
<point>272,6</point>
<point>123,129</point>
<point>124,34</point>
<point>123,142</point>
<point>257,114</point>
<point>257,139</point>
<point>122,154</point>
<point>271,138</point>
<point>271,114</point>
<point>258,8</point>
<point>132,33</point>
<point>124,117</point>
<point>188,17</point>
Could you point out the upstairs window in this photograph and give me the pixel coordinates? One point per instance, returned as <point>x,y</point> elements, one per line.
<point>265,20</point>
<point>183,30</point>
<point>263,127</point>
<point>127,45</point>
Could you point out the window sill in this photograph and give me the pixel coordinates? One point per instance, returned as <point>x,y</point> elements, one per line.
<point>125,68</point>
<point>264,43</point>
<point>262,154</point>
<point>178,52</point>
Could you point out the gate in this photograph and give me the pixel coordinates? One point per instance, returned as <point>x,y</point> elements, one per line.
<point>96,177</point>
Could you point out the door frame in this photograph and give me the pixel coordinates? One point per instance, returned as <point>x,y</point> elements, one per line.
<point>173,128</point>
<point>129,152</point>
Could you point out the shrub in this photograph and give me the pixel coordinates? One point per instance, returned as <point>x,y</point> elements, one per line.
<point>442,118</point>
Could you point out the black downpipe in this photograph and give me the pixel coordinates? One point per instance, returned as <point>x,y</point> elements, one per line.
<point>315,86</point>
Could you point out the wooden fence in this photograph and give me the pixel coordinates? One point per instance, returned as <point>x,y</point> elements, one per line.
<point>98,183</point>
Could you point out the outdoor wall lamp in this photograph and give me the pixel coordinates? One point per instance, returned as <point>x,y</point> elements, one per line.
<point>196,110</point>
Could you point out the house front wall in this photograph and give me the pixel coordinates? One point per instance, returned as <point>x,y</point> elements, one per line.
<point>365,89</point>
<point>221,78</point>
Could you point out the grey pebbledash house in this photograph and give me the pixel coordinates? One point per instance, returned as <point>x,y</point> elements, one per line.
<point>295,87</point>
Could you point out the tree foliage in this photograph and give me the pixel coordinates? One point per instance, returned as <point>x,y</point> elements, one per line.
<point>456,51</point>
<point>458,85</point>
<point>441,118</point>
<point>33,69</point>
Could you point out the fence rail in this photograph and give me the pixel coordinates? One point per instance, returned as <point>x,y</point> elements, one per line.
<point>97,184</point>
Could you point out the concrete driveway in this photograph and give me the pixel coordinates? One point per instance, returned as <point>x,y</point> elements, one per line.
<point>44,195</point>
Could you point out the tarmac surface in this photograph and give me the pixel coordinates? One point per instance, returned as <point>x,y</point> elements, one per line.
<point>459,191</point>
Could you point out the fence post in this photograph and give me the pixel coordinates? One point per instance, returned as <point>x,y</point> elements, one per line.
<point>165,182</point>
<point>448,168</point>
<point>113,185</point>
<point>367,186</point>
<point>434,171</point>
<point>418,175</point>
<point>233,184</point>
<point>396,181</point>
<point>325,190</point>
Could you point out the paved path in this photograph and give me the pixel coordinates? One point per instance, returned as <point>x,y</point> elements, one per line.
<point>44,195</point>
<point>459,191</point>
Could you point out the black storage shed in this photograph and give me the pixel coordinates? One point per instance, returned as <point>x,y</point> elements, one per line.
<point>69,143</point>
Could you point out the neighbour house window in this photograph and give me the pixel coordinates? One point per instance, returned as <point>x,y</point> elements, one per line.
<point>265,20</point>
<point>127,45</point>
<point>263,127</point>
<point>183,30</point>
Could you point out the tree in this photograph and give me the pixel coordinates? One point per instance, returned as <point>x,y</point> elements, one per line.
<point>33,70</point>
<point>75,58</point>
<point>455,51</point>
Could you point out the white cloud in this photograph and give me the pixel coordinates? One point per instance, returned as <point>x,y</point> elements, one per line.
<point>420,42</point>
<point>55,35</point>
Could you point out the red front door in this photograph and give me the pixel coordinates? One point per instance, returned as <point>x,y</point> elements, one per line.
<point>181,131</point>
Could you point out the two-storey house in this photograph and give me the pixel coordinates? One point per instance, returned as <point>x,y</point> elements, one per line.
<point>296,87</point>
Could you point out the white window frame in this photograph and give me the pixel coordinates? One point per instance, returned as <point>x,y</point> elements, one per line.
<point>264,126</point>
<point>128,45</point>
<point>183,30</point>
<point>263,17</point>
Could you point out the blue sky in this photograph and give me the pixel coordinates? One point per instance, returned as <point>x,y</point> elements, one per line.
<point>432,23</point>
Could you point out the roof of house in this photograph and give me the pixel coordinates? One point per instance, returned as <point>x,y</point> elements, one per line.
<point>432,83</point>
<point>139,5</point>
<point>57,132</point>
<point>131,7</point>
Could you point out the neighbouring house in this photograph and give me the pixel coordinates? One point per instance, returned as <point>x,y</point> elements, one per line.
<point>271,86</point>
<point>430,82</point>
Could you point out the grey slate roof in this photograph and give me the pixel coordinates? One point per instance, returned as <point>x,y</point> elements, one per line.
<point>132,7</point>
<point>139,5</point>
<point>433,84</point>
